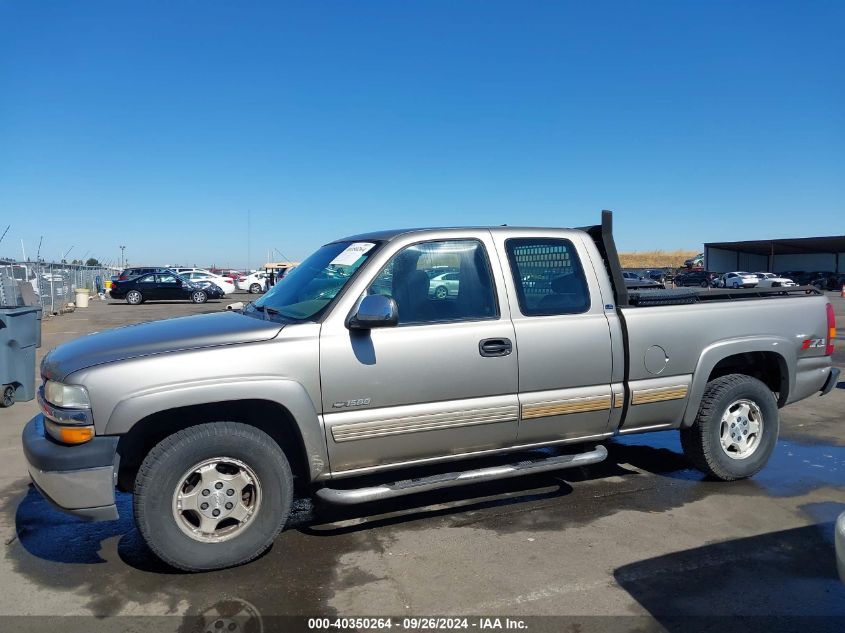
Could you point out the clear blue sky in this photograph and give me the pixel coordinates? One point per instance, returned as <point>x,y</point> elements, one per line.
<point>159,124</point>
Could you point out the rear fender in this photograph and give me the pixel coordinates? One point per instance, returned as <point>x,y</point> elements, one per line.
<point>712,354</point>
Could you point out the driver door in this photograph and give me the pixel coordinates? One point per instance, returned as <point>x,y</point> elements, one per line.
<point>434,386</point>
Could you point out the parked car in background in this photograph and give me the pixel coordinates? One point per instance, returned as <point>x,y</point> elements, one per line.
<point>660,275</point>
<point>253,282</point>
<point>701,278</point>
<point>737,279</point>
<point>832,281</point>
<point>129,273</point>
<point>806,277</point>
<point>163,286</point>
<point>695,262</point>
<point>771,280</point>
<point>636,281</point>
<point>227,272</point>
<point>444,286</point>
<point>199,276</point>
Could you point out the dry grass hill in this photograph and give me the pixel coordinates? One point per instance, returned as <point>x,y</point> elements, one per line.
<point>655,259</point>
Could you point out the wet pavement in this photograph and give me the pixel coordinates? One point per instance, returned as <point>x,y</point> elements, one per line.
<point>640,536</point>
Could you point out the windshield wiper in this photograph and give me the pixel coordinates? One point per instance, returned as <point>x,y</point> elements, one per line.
<point>265,310</point>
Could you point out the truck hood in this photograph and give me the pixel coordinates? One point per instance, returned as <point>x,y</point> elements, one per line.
<point>157,337</point>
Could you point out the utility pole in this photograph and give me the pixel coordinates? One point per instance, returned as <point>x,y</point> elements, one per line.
<point>122,248</point>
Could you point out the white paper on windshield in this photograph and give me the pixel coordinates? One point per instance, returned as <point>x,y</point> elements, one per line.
<point>352,253</point>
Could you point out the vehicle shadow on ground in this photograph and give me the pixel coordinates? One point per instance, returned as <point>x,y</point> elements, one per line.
<point>783,580</point>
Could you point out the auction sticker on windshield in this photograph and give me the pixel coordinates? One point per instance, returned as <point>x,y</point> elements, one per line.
<point>352,253</point>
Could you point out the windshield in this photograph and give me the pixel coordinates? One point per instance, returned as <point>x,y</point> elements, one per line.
<point>310,287</point>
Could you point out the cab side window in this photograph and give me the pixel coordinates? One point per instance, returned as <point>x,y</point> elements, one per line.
<point>443,281</point>
<point>548,276</point>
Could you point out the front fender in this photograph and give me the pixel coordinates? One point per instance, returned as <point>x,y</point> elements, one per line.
<point>289,394</point>
<point>712,354</point>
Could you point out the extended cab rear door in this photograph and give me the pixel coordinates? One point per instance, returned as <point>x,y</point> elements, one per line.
<point>565,359</point>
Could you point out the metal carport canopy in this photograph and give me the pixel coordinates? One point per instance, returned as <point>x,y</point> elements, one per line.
<point>785,246</point>
<point>798,253</point>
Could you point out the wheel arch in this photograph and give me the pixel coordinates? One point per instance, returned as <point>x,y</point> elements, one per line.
<point>764,358</point>
<point>281,408</point>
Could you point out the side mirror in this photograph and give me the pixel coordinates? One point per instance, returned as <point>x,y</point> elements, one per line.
<point>374,311</point>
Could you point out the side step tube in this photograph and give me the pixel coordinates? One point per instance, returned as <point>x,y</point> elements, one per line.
<point>449,480</point>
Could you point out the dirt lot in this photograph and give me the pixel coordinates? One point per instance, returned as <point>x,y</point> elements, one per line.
<point>639,536</point>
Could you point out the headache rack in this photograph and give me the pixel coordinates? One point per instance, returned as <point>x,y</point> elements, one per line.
<point>602,236</point>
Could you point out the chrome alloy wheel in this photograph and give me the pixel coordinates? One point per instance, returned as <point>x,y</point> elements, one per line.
<point>741,429</point>
<point>216,499</point>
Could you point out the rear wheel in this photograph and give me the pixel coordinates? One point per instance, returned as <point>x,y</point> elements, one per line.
<point>736,428</point>
<point>133,297</point>
<point>703,284</point>
<point>213,496</point>
<point>199,296</point>
<point>441,292</point>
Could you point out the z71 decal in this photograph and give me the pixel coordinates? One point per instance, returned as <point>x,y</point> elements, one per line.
<point>813,342</point>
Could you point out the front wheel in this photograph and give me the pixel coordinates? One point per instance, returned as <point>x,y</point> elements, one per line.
<point>736,428</point>
<point>441,292</point>
<point>213,496</point>
<point>704,284</point>
<point>199,296</point>
<point>133,297</point>
<point>255,289</point>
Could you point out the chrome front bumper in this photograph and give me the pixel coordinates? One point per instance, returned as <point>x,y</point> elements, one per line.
<point>75,479</point>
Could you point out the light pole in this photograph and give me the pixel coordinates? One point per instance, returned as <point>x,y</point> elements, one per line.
<point>122,248</point>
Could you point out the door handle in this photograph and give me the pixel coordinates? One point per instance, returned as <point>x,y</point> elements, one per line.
<point>495,347</point>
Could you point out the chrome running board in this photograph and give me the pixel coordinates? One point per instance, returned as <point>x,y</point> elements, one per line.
<point>461,478</point>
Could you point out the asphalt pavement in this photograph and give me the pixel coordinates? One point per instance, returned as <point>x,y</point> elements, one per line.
<point>640,539</point>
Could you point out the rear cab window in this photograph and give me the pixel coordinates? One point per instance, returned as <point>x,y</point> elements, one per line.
<point>548,276</point>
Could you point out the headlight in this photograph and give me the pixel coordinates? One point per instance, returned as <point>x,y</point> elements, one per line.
<point>66,396</point>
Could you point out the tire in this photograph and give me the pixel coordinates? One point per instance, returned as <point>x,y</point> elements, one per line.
<point>703,284</point>
<point>703,441</point>
<point>199,296</point>
<point>133,297</point>
<point>254,289</point>
<point>8,397</point>
<point>162,477</point>
<point>441,292</point>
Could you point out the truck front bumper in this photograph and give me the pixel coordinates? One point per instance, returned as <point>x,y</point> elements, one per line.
<point>75,479</point>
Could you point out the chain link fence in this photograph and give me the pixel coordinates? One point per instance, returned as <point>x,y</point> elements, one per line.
<point>54,285</point>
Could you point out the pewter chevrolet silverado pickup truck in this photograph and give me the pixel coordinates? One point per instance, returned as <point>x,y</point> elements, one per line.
<point>412,350</point>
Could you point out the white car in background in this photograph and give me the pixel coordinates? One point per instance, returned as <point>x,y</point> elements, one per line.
<point>199,276</point>
<point>771,280</point>
<point>444,285</point>
<point>254,282</point>
<point>738,279</point>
